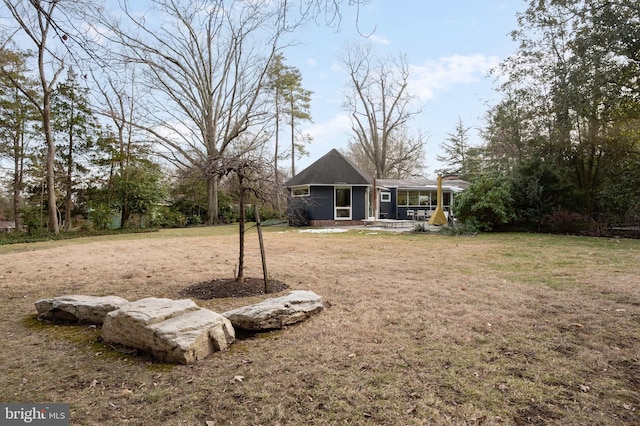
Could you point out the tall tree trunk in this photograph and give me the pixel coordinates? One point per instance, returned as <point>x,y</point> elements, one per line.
<point>212,200</point>
<point>263,255</point>
<point>276,149</point>
<point>17,183</point>
<point>293,141</point>
<point>69,184</point>
<point>124,214</point>
<point>54,226</point>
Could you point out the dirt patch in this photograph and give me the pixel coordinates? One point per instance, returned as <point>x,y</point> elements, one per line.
<point>223,288</point>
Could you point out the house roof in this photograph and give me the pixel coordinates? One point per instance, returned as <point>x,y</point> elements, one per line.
<point>331,169</point>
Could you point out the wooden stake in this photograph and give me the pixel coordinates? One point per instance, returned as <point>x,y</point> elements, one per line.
<point>256,209</point>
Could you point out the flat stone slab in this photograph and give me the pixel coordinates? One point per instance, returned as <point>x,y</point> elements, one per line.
<point>277,312</point>
<point>75,308</point>
<point>171,330</point>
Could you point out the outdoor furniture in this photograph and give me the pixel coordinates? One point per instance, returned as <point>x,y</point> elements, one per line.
<point>421,215</point>
<point>411,214</point>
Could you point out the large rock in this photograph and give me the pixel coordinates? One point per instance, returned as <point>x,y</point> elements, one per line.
<point>171,330</point>
<point>273,313</point>
<point>75,308</point>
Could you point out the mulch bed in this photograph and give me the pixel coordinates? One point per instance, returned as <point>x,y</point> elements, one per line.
<point>223,288</point>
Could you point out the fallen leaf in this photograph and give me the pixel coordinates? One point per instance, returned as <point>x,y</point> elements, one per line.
<point>577,324</point>
<point>237,379</point>
<point>584,388</point>
<point>94,383</point>
<point>126,393</point>
<point>352,356</point>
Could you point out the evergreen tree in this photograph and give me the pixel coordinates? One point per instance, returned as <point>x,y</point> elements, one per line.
<point>460,157</point>
<point>18,119</point>
<point>75,130</point>
<point>291,103</point>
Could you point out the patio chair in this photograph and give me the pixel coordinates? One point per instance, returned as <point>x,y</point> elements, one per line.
<point>411,214</point>
<point>421,215</point>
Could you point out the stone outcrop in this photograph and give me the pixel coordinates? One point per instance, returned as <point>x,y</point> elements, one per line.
<point>78,308</point>
<point>275,313</point>
<point>171,330</point>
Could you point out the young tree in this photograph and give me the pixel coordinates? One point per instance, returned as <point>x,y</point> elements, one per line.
<point>74,123</point>
<point>381,107</point>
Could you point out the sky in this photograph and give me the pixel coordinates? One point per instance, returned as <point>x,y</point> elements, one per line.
<point>450,47</point>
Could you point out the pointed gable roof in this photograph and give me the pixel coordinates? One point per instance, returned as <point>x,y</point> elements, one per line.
<point>331,169</point>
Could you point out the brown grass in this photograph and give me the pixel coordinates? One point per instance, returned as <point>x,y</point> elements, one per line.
<point>419,329</point>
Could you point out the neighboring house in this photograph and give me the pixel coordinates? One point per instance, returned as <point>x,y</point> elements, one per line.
<point>334,191</point>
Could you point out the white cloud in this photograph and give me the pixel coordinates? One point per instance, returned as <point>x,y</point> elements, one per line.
<point>442,73</point>
<point>311,62</point>
<point>327,135</point>
<point>379,40</point>
<point>332,132</point>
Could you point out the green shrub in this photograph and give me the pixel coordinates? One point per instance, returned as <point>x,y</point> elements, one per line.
<point>165,217</point>
<point>100,215</point>
<point>34,219</point>
<point>486,204</point>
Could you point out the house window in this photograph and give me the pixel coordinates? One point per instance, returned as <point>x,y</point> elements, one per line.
<point>385,197</point>
<point>402,198</point>
<point>422,198</point>
<point>300,191</point>
<point>343,202</point>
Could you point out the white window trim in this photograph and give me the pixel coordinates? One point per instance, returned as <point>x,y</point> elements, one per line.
<point>308,193</point>
<point>336,208</point>
<point>385,197</point>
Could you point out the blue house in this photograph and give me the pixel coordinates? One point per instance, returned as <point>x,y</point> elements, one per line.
<point>334,191</point>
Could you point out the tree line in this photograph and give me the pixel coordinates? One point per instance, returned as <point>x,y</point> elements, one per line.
<point>144,112</point>
<point>561,150</point>
<point>157,103</point>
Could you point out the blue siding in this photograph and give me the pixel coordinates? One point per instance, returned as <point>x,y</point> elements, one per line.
<point>358,202</point>
<point>320,205</point>
<point>388,210</point>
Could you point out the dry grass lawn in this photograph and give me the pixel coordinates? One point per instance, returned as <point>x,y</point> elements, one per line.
<point>419,329</point>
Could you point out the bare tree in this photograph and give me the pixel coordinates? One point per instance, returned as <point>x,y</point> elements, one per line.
<point>381,107</point>
<point>35,21</point>
<point>205,64</point>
